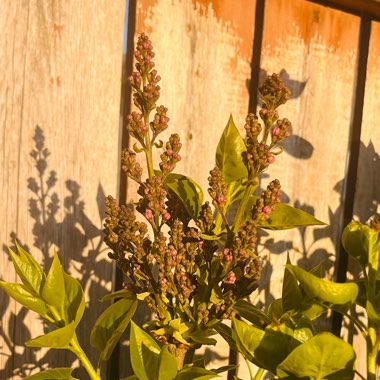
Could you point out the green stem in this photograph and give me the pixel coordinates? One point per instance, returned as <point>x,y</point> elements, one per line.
<point>75,347</point>
<point>259,374</point>
<point>148,149</point>
<point>251,187</point>
<point>78,351</point>
<point>373,342</point>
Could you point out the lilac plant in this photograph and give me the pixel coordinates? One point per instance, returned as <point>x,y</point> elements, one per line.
<point>201,262</point>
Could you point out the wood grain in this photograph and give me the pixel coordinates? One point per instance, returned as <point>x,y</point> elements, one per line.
<point>60,90</point>
<point>203,51</point>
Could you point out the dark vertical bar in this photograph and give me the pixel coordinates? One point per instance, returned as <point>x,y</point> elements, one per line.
<point>256,55</point>
<point>125,109</point>
<point>349,186</point>
<point>253,91</point>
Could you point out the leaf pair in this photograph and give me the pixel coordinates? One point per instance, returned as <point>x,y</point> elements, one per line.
<point>323,356</point>
<point>57,297</point>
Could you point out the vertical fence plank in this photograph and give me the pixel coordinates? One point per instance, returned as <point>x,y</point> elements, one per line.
<point>203,51</point>
<point>59,90</point>
<point>314,50</point>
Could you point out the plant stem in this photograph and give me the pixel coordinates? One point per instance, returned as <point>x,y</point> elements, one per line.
<point>372,348</point>
<point>259,374</point>
<point>179,352</point>
<point>148,150</point>
<point>78,351</point>
<point>251,187</point>
<point>250,371</point>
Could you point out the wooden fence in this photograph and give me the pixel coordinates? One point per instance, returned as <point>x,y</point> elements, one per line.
<point>63,104</point>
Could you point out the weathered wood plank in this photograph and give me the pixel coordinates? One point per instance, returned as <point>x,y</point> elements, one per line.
<point>203,56</point>
<point>60,85</point>
<point>314,49</point>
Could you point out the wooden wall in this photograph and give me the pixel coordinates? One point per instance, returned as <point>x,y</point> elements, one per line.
<point>60,90</point>
<point>60,81</point>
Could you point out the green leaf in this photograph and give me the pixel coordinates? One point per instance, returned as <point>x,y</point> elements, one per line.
<point>59,338</point>
<point>229,154</point>
<point>373,315</point>
<point>275,309</point>
<point>188,192</point>
<point>167,368</point>
<point>324,290</point>
<point>53,291</point>
<point>53,374</point>
<point>64,293</point>
<point>284,217</point>
<point>74,302</point>
<point>122,293</point>
<point>139,339</point>
<point>28,269</point>
<point>110,326</point>
<point>291,293</point>
<point>21,294</point>
<point>362,243</point>
<point>312,310</point>
<point>322,357</point>
<point>196,373</point>
<point>303,330</point>
<point>247,338</point>
<point>251,313</point>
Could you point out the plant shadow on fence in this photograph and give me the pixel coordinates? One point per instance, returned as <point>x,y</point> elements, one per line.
<point>79,243</point>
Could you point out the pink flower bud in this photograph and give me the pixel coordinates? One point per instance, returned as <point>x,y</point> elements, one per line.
<point>276,131</point>
<point>221,199</point>
<point>149,214</point>
<point>271,159</point>
<point>267,210</point>
<point>166,216</point>
<point>231,278</point>
<point>173,252</point>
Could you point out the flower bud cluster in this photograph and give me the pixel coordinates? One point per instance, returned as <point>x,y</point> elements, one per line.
<point>258,156</point>
<point>145,80</point>
<point>217,189</point>
<point>144,54</point>
<point>206,219</point>
<point>267,201</point>
<point>244,242</point>
<point>127,238</point>
<point>136,126</point>
<point>280,131</point>
<point>130,166</point>
<point>160,121</point>
<point>273,92</point>
<point>252,128</point>
<point>170,156</point>
<point>152,203</point>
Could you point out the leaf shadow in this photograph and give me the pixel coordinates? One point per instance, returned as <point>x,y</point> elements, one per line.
<point>59,221</point>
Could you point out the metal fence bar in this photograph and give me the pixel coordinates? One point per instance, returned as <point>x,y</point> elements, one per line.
<point>256,55</point>
<point>113,367</point>
<point>349,185</point>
